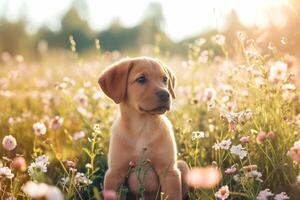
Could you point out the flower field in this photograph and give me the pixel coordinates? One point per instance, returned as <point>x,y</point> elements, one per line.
<point>235,117</point>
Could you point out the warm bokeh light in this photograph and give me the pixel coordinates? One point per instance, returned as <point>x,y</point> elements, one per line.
<point>200,15</point>
<point>204,177</point>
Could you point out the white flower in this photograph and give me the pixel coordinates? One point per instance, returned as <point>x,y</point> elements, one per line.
<point>42,159</point>
<point>289,86</point>
<point>78,135</point>
<point>81,97</point>
<point>198,134</point>
<point>254,174</point>
<point>9,142</point>
<point>222,193</point>
<point>6,173</point>
<point>36,168</point>
<point>219,39</point>
<point>81,179</point>
<point>209,94</point>
<point>224,144</point>
<point>238,150</point>
<point>42,191</point>
<point>40,165</point>
<point>39,128</point>
<point>278,71</point>
<point>264,194</point>
<point>281,196</point>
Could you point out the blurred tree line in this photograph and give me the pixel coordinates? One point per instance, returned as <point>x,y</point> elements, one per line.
<point>15,39</point>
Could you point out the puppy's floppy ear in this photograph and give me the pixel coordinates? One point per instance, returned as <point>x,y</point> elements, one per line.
<point>171,78</point>
<point>113,80</point>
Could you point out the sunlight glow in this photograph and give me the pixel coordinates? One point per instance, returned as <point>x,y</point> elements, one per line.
<point>182,18</point>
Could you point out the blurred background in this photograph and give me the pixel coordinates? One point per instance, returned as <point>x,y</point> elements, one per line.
<point>28,27</point>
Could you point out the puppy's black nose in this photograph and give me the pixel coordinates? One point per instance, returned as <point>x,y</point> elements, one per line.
<point>163,95</point>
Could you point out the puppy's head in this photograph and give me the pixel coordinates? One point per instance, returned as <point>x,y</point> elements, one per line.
<point>145,84</point>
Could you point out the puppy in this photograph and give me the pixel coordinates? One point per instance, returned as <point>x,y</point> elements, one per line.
<point>143,87</point>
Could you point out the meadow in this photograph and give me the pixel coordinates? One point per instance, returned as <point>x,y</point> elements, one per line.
<point>236,111</point>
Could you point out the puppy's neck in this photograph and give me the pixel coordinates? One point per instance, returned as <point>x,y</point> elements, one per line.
<point>129,118</point>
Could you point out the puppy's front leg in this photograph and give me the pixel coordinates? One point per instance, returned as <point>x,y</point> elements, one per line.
<point>113,180</point>
<point>170,180</point>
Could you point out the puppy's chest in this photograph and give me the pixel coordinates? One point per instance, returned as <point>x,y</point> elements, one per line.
<point>144,146</point>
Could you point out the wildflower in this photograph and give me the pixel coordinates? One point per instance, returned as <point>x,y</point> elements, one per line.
<point>261,137</point>
<point>239,151</point>
<point>207,177</point>
<point>109,195</point>
<point>81,97</point>
<point>19,163</point>
<point>56,122</point>
<point>81,179</point>
<point>97,95</point>
<point>209,94</point>
<point>245,139</point>
<point>203,58</point>
<point>9,143</point>
<point>70,163</point>
<point>219,39</point>
<point>271,135</point>
<point>281,196</point>
<point>294,152</point>
<point>38,166</point>
<point>288,87</point>
<point>11,198</point>
<point>254,174</point>
<point>200,41</point>
<point>259,81</point>
<point>39,128</point>
<point>249,168</point>
<point>224,144</point>
<point>198,134</point>
<point>222,193</point>
<point>5,172</point>
<point>232,125</point>
<point>88,165</point>
<point>231,170</point>
<point>264,194</point>
<point>278,71</point>
<point>42,191</point>
<point>78,135</point>
<point>283,40</point>
<point>241,36</point>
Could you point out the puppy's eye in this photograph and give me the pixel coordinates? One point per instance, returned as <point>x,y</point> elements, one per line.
<point>165,80</point>
<point>141,79</point>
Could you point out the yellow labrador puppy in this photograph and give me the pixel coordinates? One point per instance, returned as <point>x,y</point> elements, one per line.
<point>143,87</point>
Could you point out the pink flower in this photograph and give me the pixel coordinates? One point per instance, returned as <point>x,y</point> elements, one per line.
<point>245,139</point>
<point>223,193</point>
<point>261,137</point>
<point>278,71</point>
<point>231,170</point>
<point>56,122</point>
<point>207,177</point>
<point>294,152</point>
<point>39,128</point>
<point>9,143</point>
<point>271,135</point>
<point>78,135</point>
<point>19,163</point>
<point>109,195</point>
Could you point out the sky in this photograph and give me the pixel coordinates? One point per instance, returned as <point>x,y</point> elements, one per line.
<point>183,18</point>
